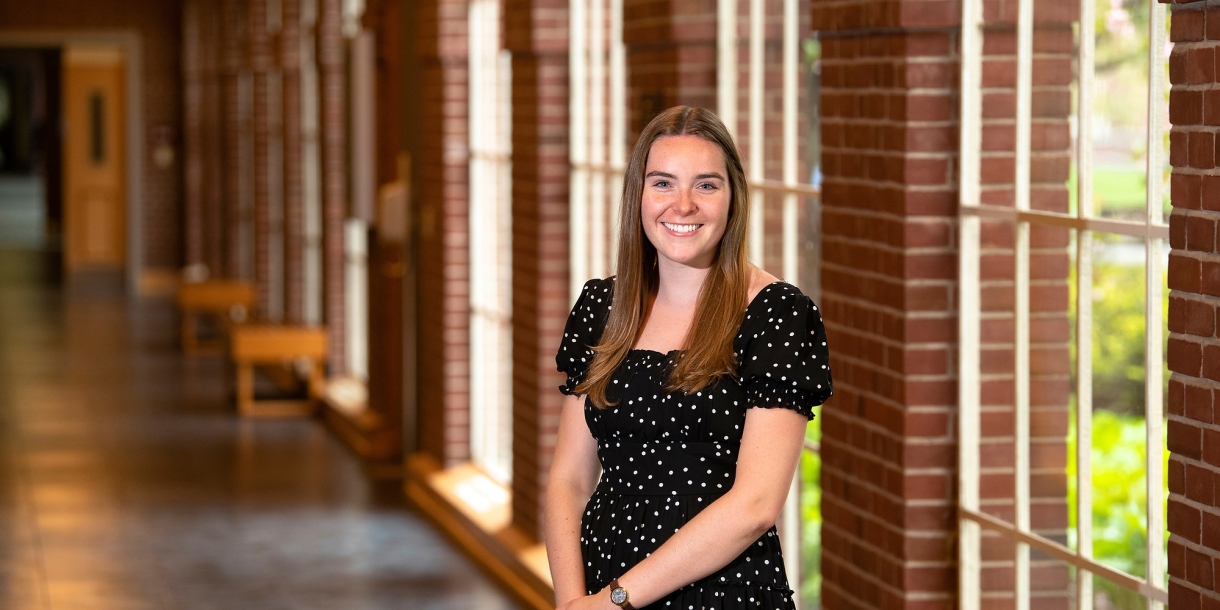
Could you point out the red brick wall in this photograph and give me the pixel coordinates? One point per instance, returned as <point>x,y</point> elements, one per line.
<point>889,137</point>
<point>442,219</point>
<point>233,54</point>
<point>159,24</point>
<point>671,57</point>
<point>1193,514</point>
<point>193,56</point>
<point>536,34</point>
<point>331,58</point>
<point>261,65</point>
<point>293,191</point>
<point>887,297</point>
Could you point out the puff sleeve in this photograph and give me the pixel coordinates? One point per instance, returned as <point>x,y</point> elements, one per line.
<point>583,331</point>
<point>782,351</point>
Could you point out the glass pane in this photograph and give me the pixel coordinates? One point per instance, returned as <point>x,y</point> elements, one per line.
<point>1119,115</point>
<point>810,592</point>
<point>97,128</point>
<point>1119,447</point>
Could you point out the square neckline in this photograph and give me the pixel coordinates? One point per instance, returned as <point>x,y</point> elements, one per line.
<point>747,310</point>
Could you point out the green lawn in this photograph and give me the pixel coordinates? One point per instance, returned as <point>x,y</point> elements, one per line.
<point>1115,189</point>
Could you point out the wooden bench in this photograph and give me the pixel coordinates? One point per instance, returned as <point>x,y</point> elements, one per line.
<point>252,345</point>
<point>227,301</point>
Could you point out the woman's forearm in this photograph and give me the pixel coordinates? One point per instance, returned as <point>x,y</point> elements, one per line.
<point>564,508</point>
<point>707,543</point>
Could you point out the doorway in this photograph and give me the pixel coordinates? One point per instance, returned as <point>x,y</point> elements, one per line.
<point>30,162</point>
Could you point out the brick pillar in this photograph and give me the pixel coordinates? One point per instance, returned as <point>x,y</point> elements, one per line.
<point>537,36</point>
<point>293,191</point>
<point>671,57</point>
<point>442,217</point>
<point>1193,516</point>
<point>334,177</point>
<point>889,137</point>
<point>192,130</point>
<point>212,140</point>
<point>260,64</point>
<point>233,53</point>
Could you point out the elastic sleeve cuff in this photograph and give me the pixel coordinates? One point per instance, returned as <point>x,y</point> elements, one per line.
<point>766,394</point>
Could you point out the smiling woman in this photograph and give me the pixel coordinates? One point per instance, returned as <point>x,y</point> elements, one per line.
<point>664,362</point>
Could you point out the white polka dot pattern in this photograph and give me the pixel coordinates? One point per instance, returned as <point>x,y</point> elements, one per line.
<point>666,456</point>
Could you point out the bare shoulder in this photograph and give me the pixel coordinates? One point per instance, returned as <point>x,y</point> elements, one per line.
<point>759,279</point>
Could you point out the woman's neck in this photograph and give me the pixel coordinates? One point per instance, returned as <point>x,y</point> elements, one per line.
<point>679,284</point>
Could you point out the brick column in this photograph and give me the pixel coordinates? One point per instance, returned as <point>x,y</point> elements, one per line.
<point>233,53</point>
<point>192,131</point>
<point>1193,516</point>
<point>671,57</point>
<point>537,36</point>
<point>212,140</point>
<point>889,137</point>
<point>334,178</point>
<point>260,63</point>
<point>293,191</point>
<point>442,217</point>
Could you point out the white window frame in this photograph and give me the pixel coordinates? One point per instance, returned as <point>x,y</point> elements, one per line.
<point>490,242</point>
<point>790,188</point>
<point>1152,230</point>
<point>597,127</point>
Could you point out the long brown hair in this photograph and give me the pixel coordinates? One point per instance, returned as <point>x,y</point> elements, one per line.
<point>708,353</point>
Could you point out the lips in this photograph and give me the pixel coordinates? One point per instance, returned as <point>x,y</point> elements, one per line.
<point>681,228</point>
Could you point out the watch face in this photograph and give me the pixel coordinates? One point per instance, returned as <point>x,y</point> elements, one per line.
<point>618,596</point>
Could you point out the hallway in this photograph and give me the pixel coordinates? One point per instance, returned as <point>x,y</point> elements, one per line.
<point>127,482</point>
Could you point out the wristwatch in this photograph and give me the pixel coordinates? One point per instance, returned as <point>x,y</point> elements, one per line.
<point>618,596</point>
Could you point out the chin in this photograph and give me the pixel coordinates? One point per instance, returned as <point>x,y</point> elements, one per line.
<point>698,260</point>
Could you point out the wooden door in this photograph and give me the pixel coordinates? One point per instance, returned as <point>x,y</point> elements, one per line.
<point>94,149</point>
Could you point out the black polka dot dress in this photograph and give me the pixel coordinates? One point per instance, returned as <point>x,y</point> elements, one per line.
<point>667,456</point>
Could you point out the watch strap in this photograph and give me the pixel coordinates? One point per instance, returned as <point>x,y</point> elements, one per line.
<point>626,605</point>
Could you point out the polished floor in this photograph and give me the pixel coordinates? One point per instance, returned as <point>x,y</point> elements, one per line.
<point>126,481</point>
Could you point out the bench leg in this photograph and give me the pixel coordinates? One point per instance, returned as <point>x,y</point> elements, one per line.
<point>245,388</point>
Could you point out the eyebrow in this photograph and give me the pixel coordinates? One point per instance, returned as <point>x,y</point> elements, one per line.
<point>673,177</point>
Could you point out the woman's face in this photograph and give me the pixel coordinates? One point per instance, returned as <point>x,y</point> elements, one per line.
<point>685,206</point>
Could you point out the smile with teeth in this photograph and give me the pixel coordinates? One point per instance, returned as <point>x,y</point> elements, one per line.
<point>677,228</point>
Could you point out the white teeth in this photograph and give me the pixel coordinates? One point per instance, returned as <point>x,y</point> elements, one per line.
<point>680,228</point>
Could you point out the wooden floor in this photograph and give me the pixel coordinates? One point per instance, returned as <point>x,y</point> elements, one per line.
<point>127,482</point>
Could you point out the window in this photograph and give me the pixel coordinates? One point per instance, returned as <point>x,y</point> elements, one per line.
<point>1029,226</point>
<point>597,126</point>
<point>785,209</point>
<point>490,243</point>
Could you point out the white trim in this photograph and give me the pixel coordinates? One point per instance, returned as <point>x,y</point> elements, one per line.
<point>756,170</point>
<point>791,251</point>
<point>726,63</point>
<point>1064,554</point>
<point>1154,322</point>
<point>599,238</point>
<point>1066,221</point>
<point>578,141</point>
<point>1084,303</point>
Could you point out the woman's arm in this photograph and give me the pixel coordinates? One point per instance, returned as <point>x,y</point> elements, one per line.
<point>770,447</point>
<point>574,473</point>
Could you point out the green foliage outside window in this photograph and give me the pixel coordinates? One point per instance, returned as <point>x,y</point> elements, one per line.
<point>811,526</point>
<point>1119,448</point>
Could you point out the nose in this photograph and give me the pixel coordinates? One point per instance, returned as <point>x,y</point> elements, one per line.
<point>685,203</point>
